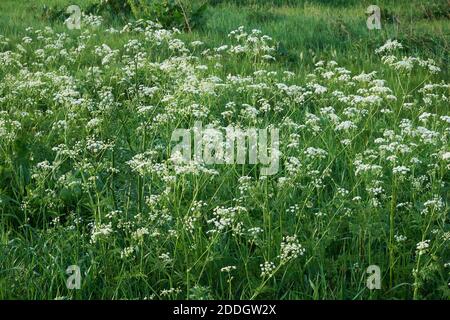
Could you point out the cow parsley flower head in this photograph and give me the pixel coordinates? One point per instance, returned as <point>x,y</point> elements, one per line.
<point>267,268</point>
<point>290,249</point>
<point>422,247</point>
<point>389,46</point>
<point>101,231</point>
<point>400,170</point>
<point>228,269</point>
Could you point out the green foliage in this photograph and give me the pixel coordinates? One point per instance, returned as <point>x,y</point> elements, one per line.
<point>259,14</point>
<point>181,14</point>
<point>280,3</point>
<point>64,201</point>
<point>439,9</point>
<point>116,7</point>
<point>54,13</point>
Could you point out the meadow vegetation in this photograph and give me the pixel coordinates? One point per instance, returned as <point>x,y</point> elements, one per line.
<point>87,176</point>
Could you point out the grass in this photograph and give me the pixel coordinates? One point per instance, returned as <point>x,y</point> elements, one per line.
<point>86,177</point>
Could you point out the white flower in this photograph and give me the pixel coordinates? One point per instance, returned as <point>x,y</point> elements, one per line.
<point>222,48</point>
<point>228,269</point>
<point>126,252</point>
<point>390,45</point>
<point>165,257</point>
<point>101,231</point>
<point>400,238</point>
<point>267,268</point>
<point>422,247</point>
<point>402,170</point>
<point>312,152</point>
<point>139,234</point>
<point>345,126</point>
<point>445,156</point>
<point>290,249</point>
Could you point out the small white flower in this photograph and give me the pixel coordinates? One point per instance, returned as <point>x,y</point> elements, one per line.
<point>401,170</point>
<point>228,269</point>
<point>422,247</point>
<point>267,268</point>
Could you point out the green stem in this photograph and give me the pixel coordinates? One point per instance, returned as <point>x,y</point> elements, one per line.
<point>391,232</point>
